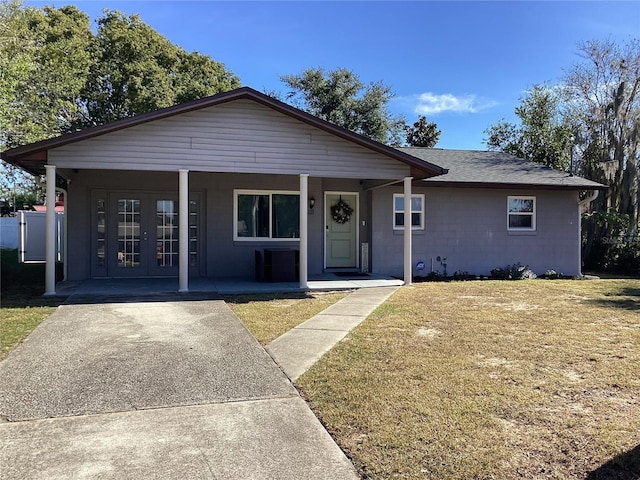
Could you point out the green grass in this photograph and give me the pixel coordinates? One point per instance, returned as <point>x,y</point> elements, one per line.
<point>479,380</point>
<point>22,306</point>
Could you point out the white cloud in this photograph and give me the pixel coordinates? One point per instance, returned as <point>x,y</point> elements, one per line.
<point>429,103</point>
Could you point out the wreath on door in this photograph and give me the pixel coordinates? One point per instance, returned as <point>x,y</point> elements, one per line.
<point>341,212</point>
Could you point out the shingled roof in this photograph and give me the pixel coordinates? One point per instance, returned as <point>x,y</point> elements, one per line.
<point>470,168</point>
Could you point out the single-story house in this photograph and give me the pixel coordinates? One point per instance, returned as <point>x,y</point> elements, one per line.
<point>231,185</point>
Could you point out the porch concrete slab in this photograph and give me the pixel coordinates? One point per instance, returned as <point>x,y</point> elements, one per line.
<point>262,439</point>
<point>377,282</point>
<point>375,291</point>
<point>124,287</point>
<point>109,357</point>
<point>297,350</point>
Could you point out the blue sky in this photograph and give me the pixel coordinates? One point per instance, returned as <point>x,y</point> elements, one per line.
<point>462,64</point>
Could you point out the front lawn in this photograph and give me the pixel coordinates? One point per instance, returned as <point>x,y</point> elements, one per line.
<point>477,380</point>
<point>270,315</point>
<point>22,306</point>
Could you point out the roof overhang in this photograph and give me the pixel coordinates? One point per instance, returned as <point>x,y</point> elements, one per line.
<point>514,186</point>
<point>33,157</point>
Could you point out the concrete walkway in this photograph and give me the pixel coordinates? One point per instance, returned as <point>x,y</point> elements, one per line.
<point>298,349</point>
<point>169,387</point>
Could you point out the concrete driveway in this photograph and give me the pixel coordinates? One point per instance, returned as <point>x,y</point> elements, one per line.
<point>157,387</point>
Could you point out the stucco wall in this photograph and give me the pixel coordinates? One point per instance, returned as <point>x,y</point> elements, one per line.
<point>221,255</point>
<point>468,227</point>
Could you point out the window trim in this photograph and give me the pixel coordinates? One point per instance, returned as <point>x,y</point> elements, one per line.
<point>533,214</point>
<point>421,212</point>
<point>270,193</point>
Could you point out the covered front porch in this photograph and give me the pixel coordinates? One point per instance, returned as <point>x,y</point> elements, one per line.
<point>241,158</point>
<point>131,287</point>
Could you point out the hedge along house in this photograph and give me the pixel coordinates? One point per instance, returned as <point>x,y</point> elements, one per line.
<point>198,188</point>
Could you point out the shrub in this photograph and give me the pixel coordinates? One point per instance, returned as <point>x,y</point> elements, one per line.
<point>463,275</point>
<point>517,271</point>
<point>552,275</point>
<point>434,276</point>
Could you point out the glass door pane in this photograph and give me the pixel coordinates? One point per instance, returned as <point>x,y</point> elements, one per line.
<point>193,233</point>
<point>166,233</point>
<point>128,233</point>
<point>101,234</point>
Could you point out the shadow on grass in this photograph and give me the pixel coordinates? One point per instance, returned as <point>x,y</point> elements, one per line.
<point>625,466</point>
<point>626,298</point>
<point>22,284</point>
<point>265,297</point>
<point>25,298</point>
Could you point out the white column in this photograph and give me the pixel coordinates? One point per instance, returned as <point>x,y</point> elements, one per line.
<point>304,234</point>
<point>408,267</point>
<point>183,232</point>
<point>50,237</point>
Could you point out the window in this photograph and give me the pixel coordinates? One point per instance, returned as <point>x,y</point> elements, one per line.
<point>417,211</point>
<point>265,215</point>
<point>521,213</point>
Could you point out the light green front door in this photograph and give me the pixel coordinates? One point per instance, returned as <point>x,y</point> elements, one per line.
<point>341,242</point>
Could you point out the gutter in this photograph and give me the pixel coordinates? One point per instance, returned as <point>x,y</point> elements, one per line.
<point>594,194</point>
<point>581,204</point>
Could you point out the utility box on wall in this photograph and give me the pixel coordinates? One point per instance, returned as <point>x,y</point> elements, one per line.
<point>364,255</point>
<point>33,234</point>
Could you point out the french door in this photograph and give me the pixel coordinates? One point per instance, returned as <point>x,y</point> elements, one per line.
<point>137,234</point>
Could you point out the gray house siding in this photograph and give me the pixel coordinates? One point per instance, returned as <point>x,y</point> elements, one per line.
<point>220,255</point>
<point>468,227</point>
<point>237,137</point>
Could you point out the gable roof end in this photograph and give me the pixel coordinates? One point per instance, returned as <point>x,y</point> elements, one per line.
<point>32,157</point>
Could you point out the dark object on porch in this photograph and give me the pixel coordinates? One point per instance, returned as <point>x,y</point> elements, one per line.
<point>350,274</point>
<point>277,265</point>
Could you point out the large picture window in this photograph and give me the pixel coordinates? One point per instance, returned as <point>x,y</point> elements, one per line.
<point>521,213</point>
<point>266,215</point>
<point>417,211</point>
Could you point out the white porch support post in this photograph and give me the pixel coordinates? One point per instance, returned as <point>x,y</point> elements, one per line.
<point>408,270</point>
<point>304,234</point>
<point>183,232</point>
<point>50,237</point>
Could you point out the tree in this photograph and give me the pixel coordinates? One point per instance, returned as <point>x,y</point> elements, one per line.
<point>423,133</point>
<point>340,97</point>
<point>56,75</point>
<point>604,104</point>
<point>139,70</point>
<point>543,135</point>
<point>44,59</point>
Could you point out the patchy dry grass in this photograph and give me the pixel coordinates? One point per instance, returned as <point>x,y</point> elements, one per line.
<point>269,316</point>
<point>478,380</point>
